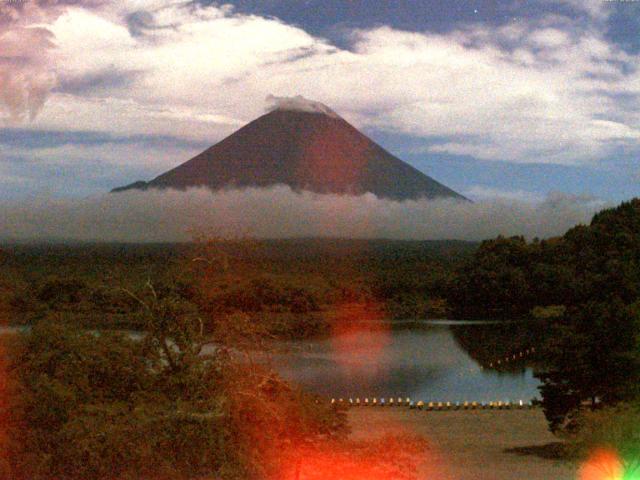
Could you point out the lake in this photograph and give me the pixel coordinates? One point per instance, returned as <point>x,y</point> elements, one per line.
<point>423,364</point>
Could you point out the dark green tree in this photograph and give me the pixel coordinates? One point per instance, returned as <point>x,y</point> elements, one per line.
<point>591,358</point>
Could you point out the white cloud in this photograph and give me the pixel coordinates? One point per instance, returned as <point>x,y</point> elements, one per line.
<point>549,38</point>
<point>158,157</point>
<point>298,104</point>
<point>596,9</point>
<point>280,213</point>
<point>552,91</point>
<point>26,65</point>
<point>483,193</point>
<point>25,79</point>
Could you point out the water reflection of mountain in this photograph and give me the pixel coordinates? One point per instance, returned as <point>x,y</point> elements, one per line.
<point>487,344</point>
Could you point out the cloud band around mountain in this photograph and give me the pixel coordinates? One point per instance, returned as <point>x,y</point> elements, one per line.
<point>278,212</point>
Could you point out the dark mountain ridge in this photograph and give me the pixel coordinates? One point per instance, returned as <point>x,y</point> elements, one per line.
<point>306,150</point>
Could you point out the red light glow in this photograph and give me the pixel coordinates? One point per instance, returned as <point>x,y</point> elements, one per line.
<point>603,464</point>
<point>360,337</point>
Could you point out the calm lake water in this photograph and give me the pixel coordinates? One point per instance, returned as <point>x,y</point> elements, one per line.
<point>423,364</point>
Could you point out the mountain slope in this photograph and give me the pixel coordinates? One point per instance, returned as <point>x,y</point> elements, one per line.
<point>305,150</point>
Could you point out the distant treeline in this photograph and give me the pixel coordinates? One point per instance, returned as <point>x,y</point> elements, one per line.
<point>509,277</point>
<point>292,285</point>
<point>298,283</point>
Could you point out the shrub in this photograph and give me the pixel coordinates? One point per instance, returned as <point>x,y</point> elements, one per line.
<point>56,291</point>
<point>106,406</point>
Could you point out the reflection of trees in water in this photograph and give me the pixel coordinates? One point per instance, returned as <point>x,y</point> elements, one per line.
<point>488,343</point>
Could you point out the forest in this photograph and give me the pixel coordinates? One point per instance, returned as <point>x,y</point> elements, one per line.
<point>78,384</point>
<point>291,287</point>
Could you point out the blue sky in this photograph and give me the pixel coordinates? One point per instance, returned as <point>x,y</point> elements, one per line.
<point>495,99</point>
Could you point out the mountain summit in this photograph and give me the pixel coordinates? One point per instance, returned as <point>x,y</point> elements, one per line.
<point>304,145</point>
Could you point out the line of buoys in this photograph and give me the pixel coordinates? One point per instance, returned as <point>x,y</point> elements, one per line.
<point>434,406</point>
<point>365,402</point>
<point>509,358</point>
<point>513,357</point>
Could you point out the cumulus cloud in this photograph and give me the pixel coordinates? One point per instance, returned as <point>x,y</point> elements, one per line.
<point>553,89</point>
<point>27,71</point>
<point>278,212</point>
<point>596,9</point>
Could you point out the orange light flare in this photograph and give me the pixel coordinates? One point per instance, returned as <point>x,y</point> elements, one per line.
<point>394,456</point>
<point>4,382</point>
<point>602,464</point>
<point>360,337</point>
<point>4,411</point>
<point>388,447</point>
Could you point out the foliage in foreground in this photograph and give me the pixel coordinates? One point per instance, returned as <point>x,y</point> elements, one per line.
<point>187,399</point>
<point>98,407</point>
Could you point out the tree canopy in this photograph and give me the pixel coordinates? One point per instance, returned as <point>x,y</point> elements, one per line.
<point>586,286</point>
